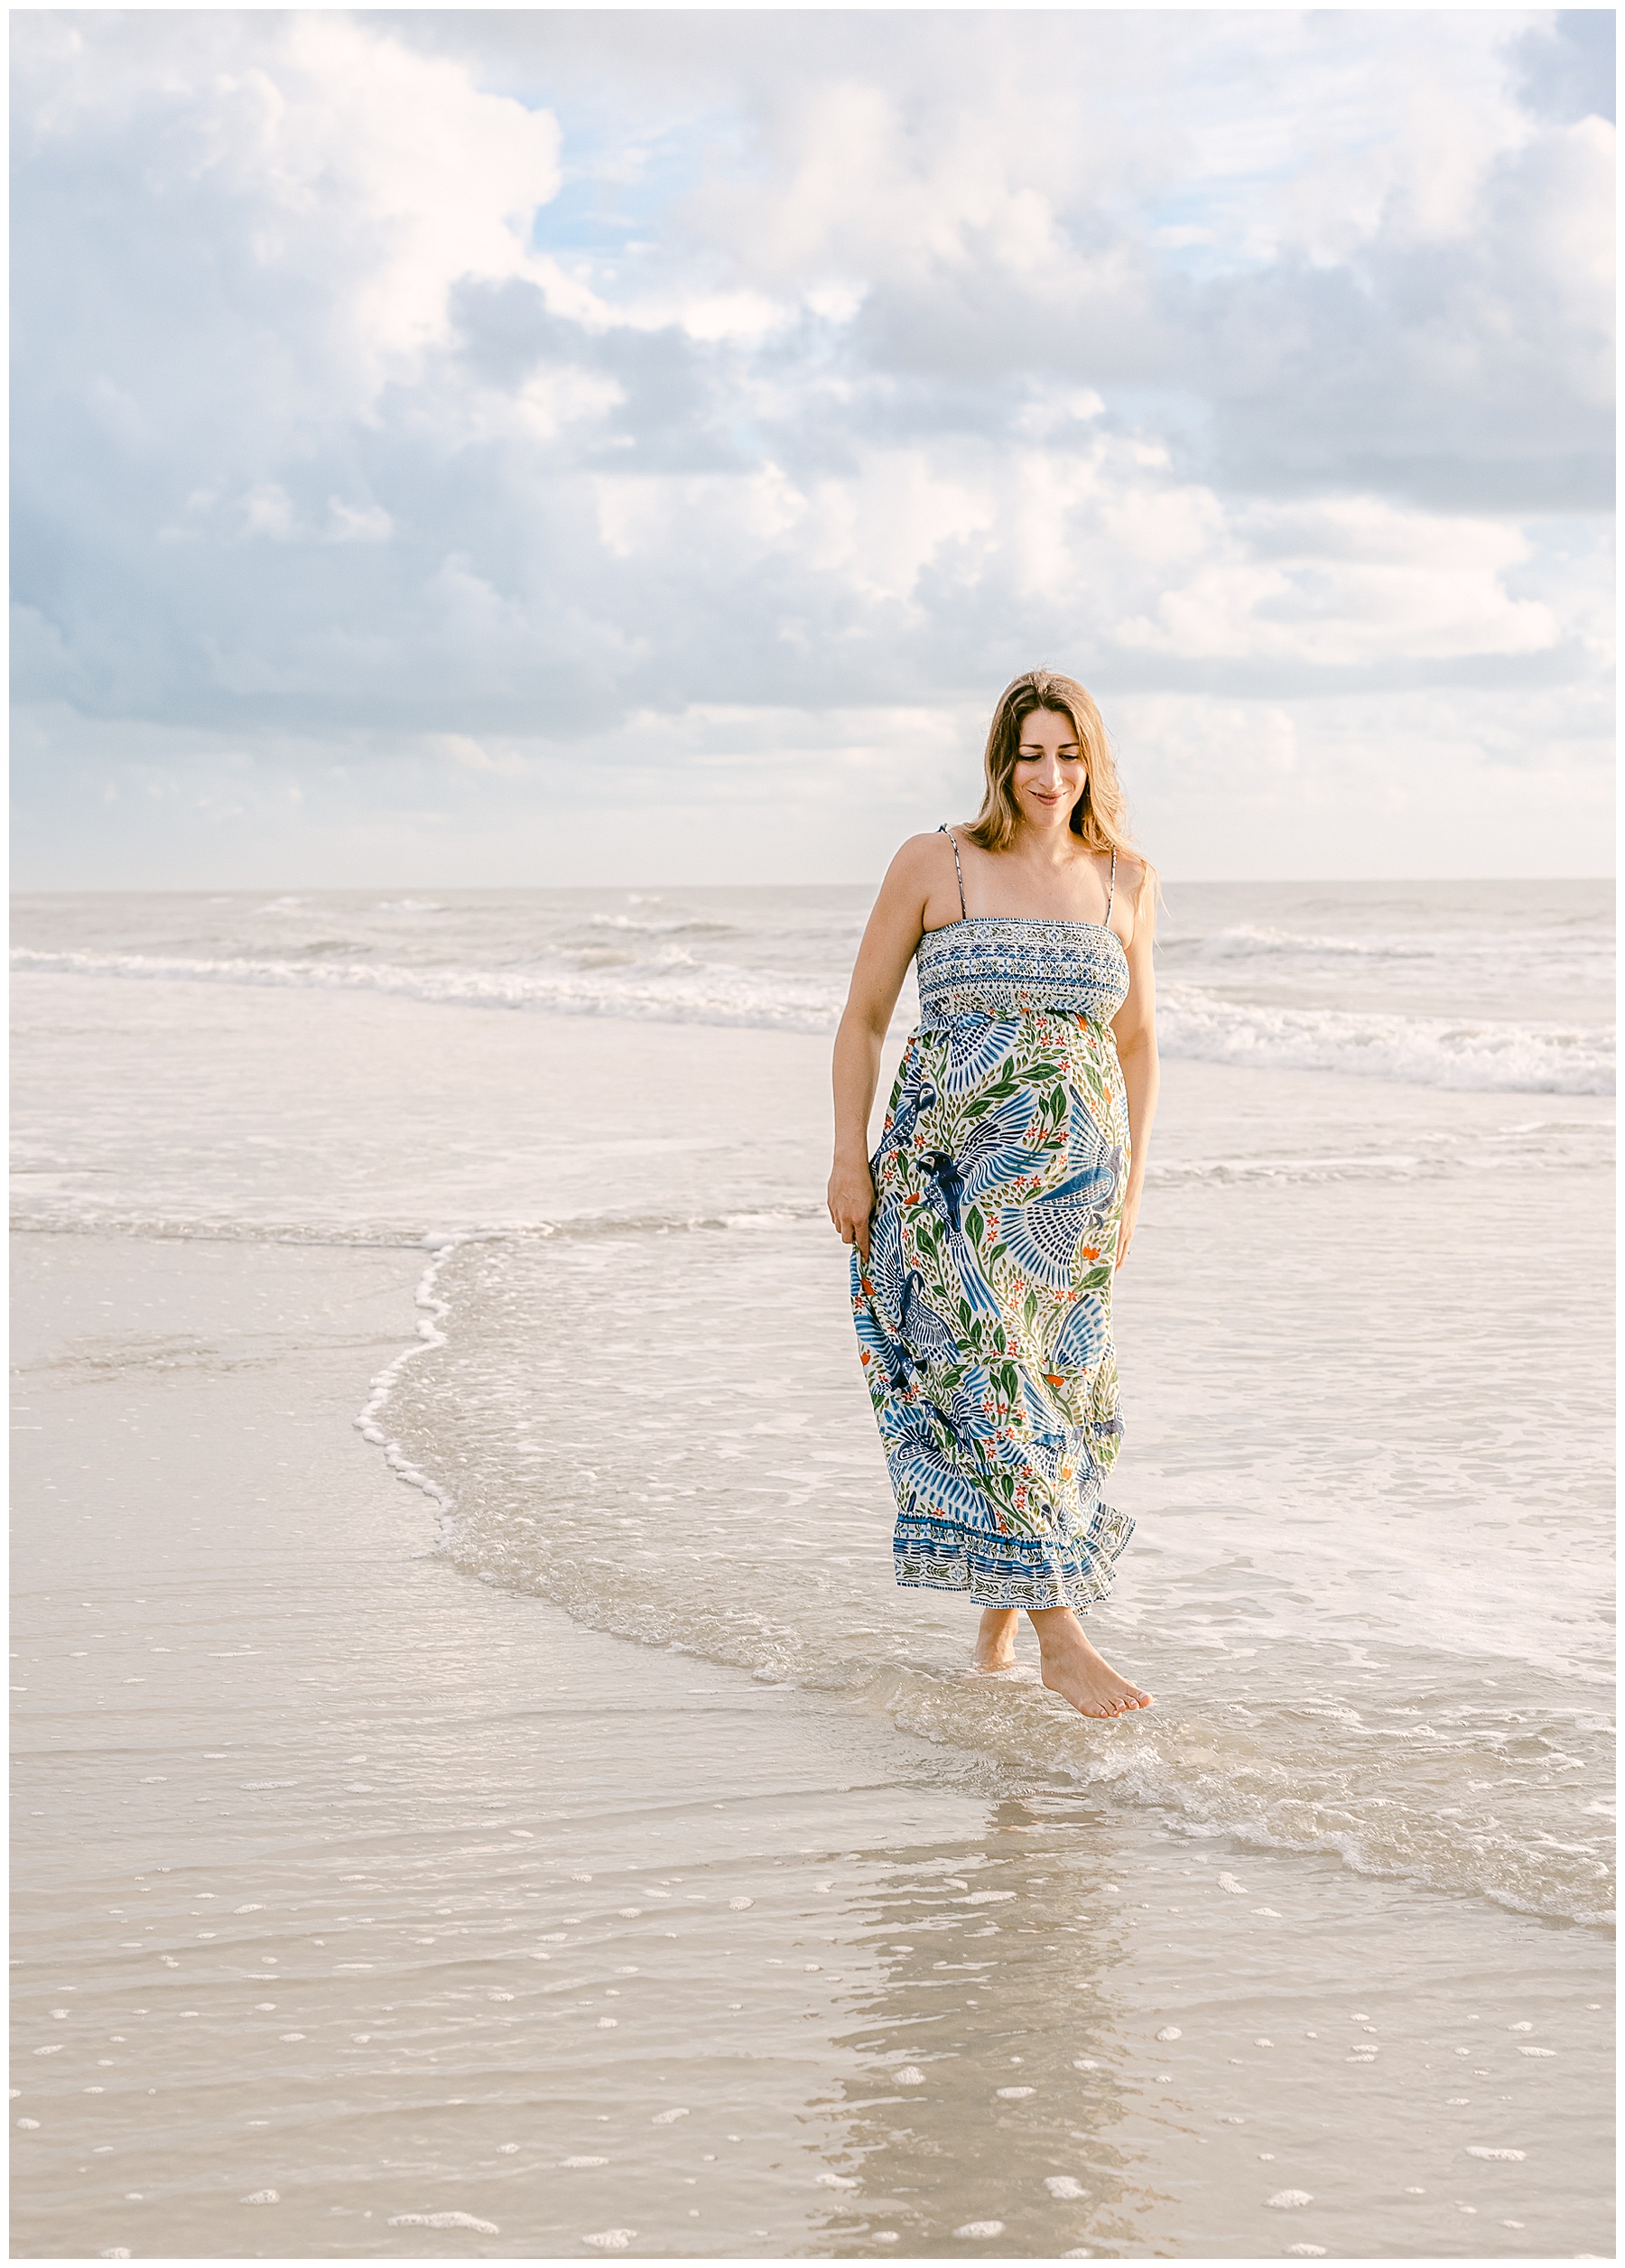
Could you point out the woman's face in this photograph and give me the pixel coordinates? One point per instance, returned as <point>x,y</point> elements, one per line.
<point>1050,772</point>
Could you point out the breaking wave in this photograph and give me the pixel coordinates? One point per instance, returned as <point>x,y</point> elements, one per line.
<point>673,986</point>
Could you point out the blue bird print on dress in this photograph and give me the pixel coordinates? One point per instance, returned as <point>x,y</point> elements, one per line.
<point>880,1321</point>
<point>878,1350</point>
<point>1094,1183</point>
<point>906,1332</point>
<point>928,1338</point>
<point>923,1478</point>
<point>1083,1338</point>
<point>977,1048</point>
<point>984,1304</point>
<point>916,1098</point>
<point>1044,1236</point>
<point>971,1408</point>
<point>992,1154</point>
<point>884,1273</point>
<point>948,1186</point>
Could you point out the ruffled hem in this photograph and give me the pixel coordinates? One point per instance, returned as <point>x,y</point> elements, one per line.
<point>1001,1571</point>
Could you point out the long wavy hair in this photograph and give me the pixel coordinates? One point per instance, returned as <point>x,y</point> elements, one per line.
<point>1099,815</point>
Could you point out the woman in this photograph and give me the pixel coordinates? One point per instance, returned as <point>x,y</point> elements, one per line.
<point>989,1224</point>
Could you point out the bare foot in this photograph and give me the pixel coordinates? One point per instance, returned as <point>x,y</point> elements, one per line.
<point>995,1640</point>
<point>1074,1669</point>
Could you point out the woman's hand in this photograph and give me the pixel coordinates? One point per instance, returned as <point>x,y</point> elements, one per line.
<point>1126,1224</point>
<point>851,1201</point>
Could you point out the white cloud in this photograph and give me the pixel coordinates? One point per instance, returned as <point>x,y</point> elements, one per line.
<point>430,394</point>
<point>370,177</point>
<point>1347,582</point>
<point>268,510</point>
<point>357,523</point>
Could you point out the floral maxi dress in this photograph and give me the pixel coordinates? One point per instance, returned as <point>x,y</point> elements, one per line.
<point>984,1310</point>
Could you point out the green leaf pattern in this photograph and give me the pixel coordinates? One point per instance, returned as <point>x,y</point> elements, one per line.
<point>984,1315</point>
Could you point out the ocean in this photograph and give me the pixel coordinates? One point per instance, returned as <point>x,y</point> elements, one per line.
<point>1364,1336</point>
<point>1385,979</point>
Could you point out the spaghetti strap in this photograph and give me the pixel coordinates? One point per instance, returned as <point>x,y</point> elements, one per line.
<point>1111,892</point>
<point>946,830</point>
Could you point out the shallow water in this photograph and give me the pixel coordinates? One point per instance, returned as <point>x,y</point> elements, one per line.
<point>350,1890</point>
<point>1365,1332</point>
<point>364,1910</point>
<point>1337,1668</point>
<point>1364,1336</point>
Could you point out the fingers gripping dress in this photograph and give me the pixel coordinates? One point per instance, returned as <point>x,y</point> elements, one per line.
<point>984,1310</point>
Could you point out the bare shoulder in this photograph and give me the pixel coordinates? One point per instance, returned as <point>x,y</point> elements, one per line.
<point>923,850</point>
<point>921,890</point>
<point>919,861</point>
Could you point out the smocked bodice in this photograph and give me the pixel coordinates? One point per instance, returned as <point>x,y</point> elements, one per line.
<point>1001,965</point>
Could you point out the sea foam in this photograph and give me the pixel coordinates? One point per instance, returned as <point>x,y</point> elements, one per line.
<point>1486,1054</point>
<point>1490,1055</point>
<point>670,988</point>
<point>527,1328</point>
<point>1580,953</point>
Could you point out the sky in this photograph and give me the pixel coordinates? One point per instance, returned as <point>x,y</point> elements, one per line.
<point>479,447</point>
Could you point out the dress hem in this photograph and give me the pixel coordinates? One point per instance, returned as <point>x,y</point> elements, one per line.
<point>1079,1575</point>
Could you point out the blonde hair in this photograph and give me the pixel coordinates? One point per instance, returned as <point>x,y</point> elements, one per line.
<point>1100,816</point>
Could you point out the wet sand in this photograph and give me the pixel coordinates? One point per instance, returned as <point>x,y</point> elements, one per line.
<point>354,1893</point>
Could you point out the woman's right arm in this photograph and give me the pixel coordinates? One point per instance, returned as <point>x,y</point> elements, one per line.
<point>883,958</point>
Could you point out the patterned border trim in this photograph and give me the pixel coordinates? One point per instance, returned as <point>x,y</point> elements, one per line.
<point>941,1554</point>
<point>996,966</point>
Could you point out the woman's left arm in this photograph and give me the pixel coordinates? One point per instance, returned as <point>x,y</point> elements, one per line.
<point>1135,1028</point>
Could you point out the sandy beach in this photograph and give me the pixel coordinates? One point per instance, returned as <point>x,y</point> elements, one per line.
<point>394,1894</point>
<point>581,1838</point>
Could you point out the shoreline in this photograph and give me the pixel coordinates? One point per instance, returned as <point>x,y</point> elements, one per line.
<point>279,1681</point>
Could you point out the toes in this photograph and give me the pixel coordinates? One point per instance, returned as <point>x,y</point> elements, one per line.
<point>1112,1705</point>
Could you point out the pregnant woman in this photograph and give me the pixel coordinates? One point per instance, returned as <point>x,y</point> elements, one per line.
<point>989,1224</point>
